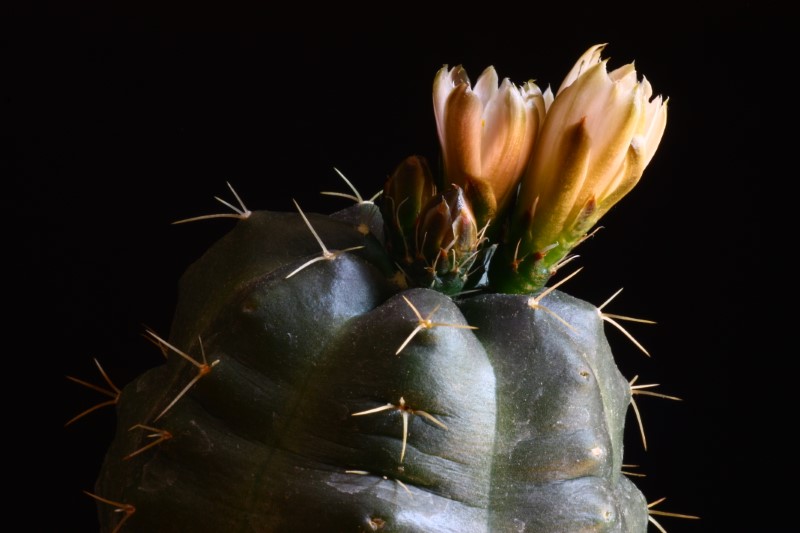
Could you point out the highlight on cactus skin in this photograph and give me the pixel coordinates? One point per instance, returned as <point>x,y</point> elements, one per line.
<point>401,365</point>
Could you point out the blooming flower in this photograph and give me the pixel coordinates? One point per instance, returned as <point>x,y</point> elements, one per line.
<point>486,134</point>
<point>599,134</point>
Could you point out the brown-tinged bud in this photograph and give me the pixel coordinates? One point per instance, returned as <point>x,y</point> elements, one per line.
<point>405,193</point>
<point>447,240</point>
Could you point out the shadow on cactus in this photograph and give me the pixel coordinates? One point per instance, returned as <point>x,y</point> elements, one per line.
<point>399,365</point>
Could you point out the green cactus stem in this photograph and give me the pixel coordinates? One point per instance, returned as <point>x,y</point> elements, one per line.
<point>336,400</point>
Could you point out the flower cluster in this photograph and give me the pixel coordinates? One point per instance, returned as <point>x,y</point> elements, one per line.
<point>573,156</point>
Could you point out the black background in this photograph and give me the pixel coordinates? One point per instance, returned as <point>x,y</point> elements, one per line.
<point>121,120</point>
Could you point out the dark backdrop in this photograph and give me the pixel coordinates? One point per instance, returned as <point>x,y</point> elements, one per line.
<point>123,120</point>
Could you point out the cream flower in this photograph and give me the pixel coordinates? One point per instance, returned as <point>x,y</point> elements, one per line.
<point>486,133</point>
<point>599,134</point>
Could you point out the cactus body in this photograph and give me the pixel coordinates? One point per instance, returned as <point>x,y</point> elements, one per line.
<point>311,420</point>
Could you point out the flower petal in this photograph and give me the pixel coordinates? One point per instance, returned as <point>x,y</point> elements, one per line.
<point>443,84</point>
<point>509,123</point>
<point>590,58</point>
<point>462,135</point>
<point>486,86</point>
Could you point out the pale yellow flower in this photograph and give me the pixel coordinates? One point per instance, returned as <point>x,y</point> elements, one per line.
<point>486,133</point>
<point>600,133</point>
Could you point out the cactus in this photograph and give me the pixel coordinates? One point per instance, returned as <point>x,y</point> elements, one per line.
<point>400,365</point>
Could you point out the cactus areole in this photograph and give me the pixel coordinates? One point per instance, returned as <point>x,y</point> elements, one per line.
<point>368,371</point>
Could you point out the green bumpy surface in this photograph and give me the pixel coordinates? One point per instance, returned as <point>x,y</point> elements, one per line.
<point>267,441</point>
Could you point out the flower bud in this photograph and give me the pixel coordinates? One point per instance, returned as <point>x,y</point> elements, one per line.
<point>447,233</point>
<point>405,192</point>
<point>446,243</point>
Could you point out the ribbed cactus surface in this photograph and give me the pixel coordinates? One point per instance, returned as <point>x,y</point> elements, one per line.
<point>332,399</point>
